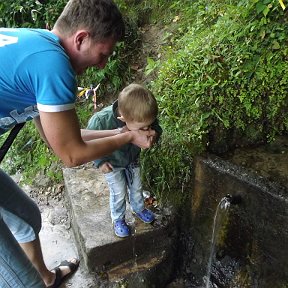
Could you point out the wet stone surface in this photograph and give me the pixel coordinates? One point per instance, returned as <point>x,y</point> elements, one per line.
<point>250,249</point>
<point>269,161</point>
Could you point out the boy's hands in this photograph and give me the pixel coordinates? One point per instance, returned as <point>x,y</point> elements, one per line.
<point>154,137</point>
<point>106,168</point>
<point>143,139</point>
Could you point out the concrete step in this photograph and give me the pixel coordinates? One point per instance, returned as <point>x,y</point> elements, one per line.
<point>101,250</point>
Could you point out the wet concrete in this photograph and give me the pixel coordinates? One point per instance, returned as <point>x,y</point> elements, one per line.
<point>269,161</point>
<point>250,245</point>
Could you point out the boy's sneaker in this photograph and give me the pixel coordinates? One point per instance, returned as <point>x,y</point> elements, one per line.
<point>146,216</point>
<point>121,229</point>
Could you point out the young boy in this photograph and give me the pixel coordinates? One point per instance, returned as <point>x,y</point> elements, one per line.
<point>135,109</point>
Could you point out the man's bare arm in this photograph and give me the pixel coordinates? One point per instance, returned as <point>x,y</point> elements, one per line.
<point>63,133</point>
<point>39,127</point>
<point>85,133</point>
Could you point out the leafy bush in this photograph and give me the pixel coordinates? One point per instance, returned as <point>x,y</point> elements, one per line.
<point>30,13</point>
<point>29,151</point>
<point>222,83</point>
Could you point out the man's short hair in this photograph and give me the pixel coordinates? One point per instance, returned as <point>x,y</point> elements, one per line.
<point>136,103</point>
<point>101,18</point>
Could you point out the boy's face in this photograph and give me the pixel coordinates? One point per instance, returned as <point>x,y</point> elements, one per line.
<point>138,125</point>
<point>133,125</point>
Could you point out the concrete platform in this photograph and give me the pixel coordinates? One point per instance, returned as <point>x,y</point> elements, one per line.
<point>142,254</point>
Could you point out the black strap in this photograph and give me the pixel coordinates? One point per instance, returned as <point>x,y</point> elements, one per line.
<point>9,140</point>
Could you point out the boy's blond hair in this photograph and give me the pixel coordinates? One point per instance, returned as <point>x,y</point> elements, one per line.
<point>136,103</point>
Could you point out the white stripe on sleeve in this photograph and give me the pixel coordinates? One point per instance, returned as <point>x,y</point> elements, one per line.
<point>55,108</point>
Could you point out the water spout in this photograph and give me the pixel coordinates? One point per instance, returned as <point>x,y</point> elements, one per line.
<point>225,202</point>
<point>228,200</point>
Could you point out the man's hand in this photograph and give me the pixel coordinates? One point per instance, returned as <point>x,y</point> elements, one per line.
<point>106,168</point>
<point>143,139</point>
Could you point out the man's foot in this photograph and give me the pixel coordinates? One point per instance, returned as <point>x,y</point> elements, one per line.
<point>63,270</point>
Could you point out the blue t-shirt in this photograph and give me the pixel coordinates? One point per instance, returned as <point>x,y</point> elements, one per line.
<point>35,75</point>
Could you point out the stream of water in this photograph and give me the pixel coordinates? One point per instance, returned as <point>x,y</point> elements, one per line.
<point>224,204</point>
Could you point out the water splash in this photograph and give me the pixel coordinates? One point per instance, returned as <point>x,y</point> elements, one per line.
<point>132,225</point>
<point>224,204</point>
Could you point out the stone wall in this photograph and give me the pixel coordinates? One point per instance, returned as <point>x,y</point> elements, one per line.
<point>250,241</point>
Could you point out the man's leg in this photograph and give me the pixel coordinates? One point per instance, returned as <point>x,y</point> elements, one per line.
<point>30,244</point>
<point>34,253</point>
<point>23,218</point>
<point>16,271</point>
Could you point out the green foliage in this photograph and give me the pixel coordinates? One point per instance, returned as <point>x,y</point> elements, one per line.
<point>223,72</point>
<point>167,173</point>
<point>29,151</point>
<point>151,66</point>
<point>30,13</point>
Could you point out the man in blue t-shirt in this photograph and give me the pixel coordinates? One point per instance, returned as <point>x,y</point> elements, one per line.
<point>37,81</point>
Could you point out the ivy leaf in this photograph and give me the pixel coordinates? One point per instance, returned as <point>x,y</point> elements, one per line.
<point>260,7</point>
<point>266,11</point>
<point>275,45</point>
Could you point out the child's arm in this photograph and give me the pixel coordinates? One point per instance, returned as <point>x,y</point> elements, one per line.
<point>87,134</point>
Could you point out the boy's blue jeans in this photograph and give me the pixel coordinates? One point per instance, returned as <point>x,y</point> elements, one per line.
<point>18,213</point>
<point>118,181</point>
